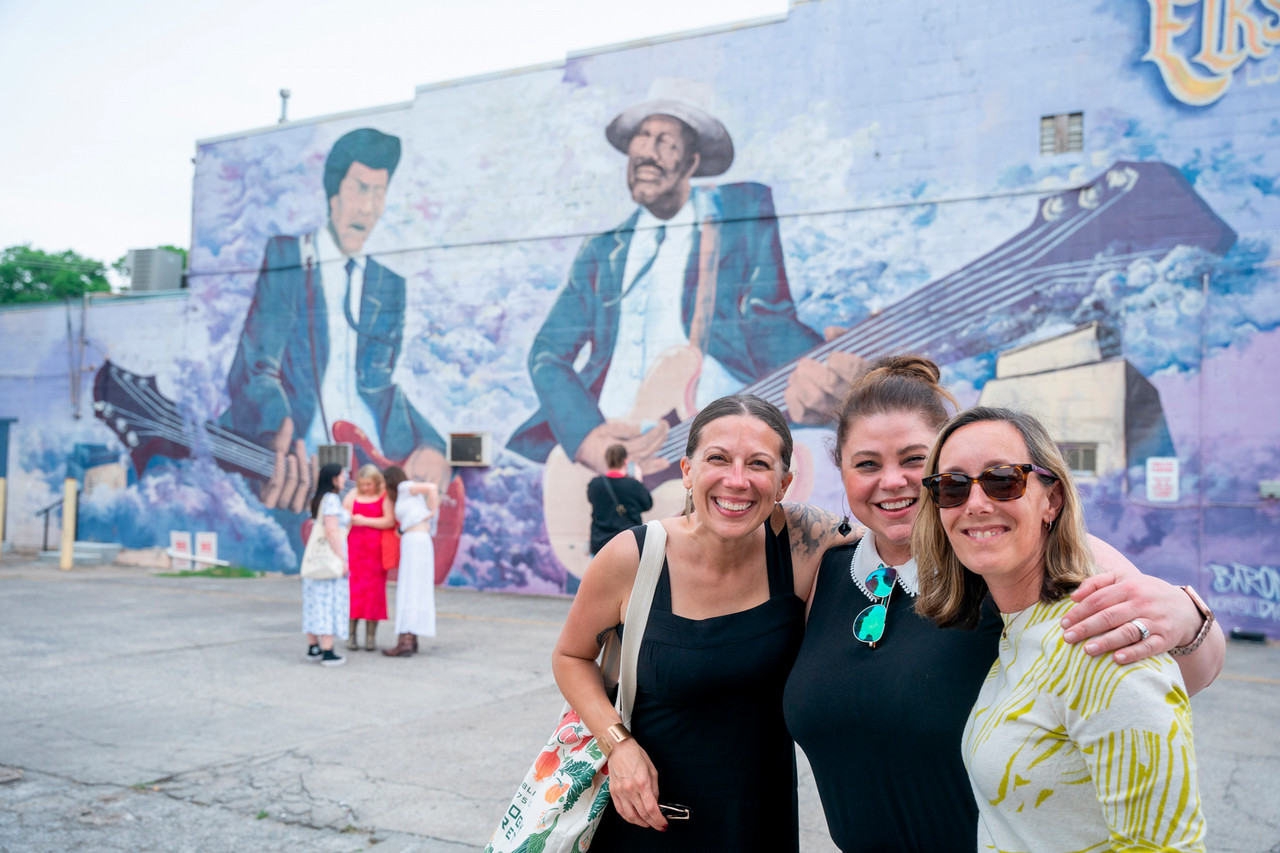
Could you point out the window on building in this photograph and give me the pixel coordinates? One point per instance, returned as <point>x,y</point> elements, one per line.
<point>1082,459</point>
<point>1062,133</point>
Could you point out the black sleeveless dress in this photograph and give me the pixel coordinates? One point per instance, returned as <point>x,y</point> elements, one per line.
<point>882,727</point>
<point>708,711</point>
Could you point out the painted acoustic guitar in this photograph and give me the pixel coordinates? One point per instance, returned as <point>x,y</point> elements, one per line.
<point>149,425</point>
<point>1133,211</point>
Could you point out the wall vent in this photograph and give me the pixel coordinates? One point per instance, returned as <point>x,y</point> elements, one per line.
<point>1062,133</point>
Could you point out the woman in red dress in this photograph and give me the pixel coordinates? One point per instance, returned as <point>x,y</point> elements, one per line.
<point>371,513</point>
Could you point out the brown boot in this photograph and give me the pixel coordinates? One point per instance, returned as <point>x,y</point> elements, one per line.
<point>370,635</point>
<point>351,637</point>
<point>403,648</point>
<point>415,641</point>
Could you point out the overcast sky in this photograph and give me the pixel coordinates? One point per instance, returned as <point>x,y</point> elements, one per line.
<point>102,102</point>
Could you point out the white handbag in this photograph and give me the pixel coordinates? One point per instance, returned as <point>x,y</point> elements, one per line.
<point>319,562</point>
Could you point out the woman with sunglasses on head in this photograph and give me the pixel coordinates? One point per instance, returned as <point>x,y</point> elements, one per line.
<point>707,762</point>
<point>1065,752</point>
<point>879,695</point>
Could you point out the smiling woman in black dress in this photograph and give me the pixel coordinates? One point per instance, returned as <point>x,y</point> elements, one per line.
<point>727,618</point>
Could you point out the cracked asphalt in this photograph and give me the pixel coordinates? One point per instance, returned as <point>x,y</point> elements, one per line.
<point>144,713</point>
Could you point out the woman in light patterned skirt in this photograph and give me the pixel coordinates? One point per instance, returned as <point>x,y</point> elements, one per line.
<point>1064,751</point>
<point>325,603</point>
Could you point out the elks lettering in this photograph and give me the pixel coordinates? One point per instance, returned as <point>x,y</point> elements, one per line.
<point>1231,31</point>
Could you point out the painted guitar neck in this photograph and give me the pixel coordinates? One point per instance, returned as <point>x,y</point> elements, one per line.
<point>150,425</point>
<point>1132,211</point>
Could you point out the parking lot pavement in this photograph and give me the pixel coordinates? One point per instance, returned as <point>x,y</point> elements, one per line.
<point>151,713</point>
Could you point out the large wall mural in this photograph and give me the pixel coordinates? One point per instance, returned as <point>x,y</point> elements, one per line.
<point>569,257</point>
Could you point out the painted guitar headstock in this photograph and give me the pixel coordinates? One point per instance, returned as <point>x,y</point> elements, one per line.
<point>133,408</point>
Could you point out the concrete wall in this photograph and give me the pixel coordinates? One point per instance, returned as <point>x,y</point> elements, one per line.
<point>898,147</point>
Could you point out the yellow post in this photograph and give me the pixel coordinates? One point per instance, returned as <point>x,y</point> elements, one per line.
<point>4,489</point>
<point>69,490</point>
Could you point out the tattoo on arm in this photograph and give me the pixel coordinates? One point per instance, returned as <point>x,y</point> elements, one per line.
<point>810,528</point>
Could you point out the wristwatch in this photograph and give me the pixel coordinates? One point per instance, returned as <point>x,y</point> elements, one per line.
<point>1208,616</point>
<point>613,736</point>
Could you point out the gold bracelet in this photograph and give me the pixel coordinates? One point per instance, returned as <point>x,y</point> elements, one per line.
<point>1206,613</point>
<point>613,736</point>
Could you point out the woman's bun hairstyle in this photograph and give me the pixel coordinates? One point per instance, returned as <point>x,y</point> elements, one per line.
<point>894,383</point>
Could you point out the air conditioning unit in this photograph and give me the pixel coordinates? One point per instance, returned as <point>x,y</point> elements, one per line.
<point>154,269</point>
<point>469,448</point>
<point>339,454</point>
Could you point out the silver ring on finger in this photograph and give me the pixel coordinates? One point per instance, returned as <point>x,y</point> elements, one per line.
<point>1142,629</point>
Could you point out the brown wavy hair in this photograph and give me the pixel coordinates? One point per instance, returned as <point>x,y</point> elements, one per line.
<point>950,594</point>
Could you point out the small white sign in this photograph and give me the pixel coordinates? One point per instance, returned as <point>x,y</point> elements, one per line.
<point>180,543</point>
<point>207,546</point>
<point>1162,479</point>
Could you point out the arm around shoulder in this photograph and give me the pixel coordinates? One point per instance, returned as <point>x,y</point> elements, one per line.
<point>812,532</point>
<point>1109,604</point>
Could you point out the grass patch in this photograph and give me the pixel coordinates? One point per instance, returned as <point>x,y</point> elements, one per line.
<point>262,815</point>
<point>213,572</point>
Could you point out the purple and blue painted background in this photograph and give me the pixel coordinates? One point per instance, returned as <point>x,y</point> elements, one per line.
<point>901,148</point>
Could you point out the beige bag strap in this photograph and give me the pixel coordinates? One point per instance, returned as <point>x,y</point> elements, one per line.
<point>655,550</point>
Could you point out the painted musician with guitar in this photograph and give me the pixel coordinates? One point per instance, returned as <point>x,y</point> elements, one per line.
<point>686,301</point>
<point>656,313</point>
<point>317,347</point>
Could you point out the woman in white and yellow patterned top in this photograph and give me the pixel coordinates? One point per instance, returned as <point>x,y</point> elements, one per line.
<point>1065,752</point>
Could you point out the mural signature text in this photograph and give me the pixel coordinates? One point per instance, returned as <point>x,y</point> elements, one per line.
<point>1246,590</point>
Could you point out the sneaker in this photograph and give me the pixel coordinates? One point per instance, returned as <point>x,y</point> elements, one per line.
<point>314,653</point>
<point>332,658</point>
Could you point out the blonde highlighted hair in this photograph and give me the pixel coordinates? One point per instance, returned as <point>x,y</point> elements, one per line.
<point>950,594</point>
<point>371,472</point>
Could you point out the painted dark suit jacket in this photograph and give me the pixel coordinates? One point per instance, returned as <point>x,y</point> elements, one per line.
<point>754,328</point>
<point>285,343</point>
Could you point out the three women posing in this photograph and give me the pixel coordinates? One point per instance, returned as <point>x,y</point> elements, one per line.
<point>881,725</point>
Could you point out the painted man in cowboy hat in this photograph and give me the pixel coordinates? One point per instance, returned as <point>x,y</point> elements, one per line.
<point>694,269</point>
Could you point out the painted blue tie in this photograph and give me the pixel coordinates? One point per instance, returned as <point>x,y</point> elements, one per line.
<point>350,267</point>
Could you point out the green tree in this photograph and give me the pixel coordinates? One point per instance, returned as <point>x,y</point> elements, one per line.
<point>176,250</point>
<point>30,275</point>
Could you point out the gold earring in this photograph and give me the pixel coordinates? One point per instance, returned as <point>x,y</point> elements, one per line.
<point>688,503</point>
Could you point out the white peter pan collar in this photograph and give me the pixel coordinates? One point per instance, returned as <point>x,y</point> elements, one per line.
<point>866,559</point>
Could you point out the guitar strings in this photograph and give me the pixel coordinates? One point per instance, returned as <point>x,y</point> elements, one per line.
<point>167,425</point>
<point>1034,244</point>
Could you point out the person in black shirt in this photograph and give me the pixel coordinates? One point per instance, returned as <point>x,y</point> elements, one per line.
<point>616,499</point>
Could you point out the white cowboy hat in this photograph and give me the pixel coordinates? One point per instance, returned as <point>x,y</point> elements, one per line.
<point>688,101</point>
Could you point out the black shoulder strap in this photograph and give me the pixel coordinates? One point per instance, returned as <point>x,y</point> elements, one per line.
<point>622,510</point>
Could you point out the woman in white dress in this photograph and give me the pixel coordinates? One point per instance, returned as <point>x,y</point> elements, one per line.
<point>416,503</point>
<point>325,602</point>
